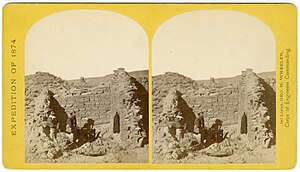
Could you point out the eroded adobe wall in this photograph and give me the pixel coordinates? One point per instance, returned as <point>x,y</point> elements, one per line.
<point>129,100</point>
<point>123,95</point>
<point>120,93</point>
<point>249,94</point>
<point>223,104</point>
<point>94,105</point>
<point>252,96</point>
<point>259,105</point>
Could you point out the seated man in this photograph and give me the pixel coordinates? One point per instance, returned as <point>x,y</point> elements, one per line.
<point>216,131</point>
<point>88,130</point>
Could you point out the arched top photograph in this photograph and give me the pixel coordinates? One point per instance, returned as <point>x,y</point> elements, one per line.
<point>86,89</point>
<point>214,85</point>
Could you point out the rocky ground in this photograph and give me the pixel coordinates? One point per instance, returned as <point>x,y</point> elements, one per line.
<point>221,98</point>
<point>99,151</point>
<point>237,151</point>
<point>46,93</point>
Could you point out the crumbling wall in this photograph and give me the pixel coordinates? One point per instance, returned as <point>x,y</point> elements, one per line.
<point>259,105</point>
<point>130,100</point>
<point>121,93</point>
<point>42,80</point>
<point>223,104</point>
<point>226,99</point>
<point>249,94</point>
<point>38,142</point>
<point>174,104</point>
<point>94,105</point>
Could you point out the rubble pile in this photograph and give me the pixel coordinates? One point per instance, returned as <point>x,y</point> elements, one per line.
<point>162,84</point>
<point>249,94</point>
<point>42,80</point>
<point>93,106</point>
<point>38,142</point>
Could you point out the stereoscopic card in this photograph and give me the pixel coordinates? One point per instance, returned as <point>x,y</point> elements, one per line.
<point>149,86</point>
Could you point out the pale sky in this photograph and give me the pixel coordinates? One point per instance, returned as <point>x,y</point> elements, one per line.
<point>85,43</point>
<point>215,43</point>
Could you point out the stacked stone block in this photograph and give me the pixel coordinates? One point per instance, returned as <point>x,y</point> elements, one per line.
<point>250,94</point>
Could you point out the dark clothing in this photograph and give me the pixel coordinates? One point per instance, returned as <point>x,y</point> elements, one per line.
<point>268,124</point>
<point>214,127</point>
<point>116,124</point>
<point>216,133</point>
<point>203,133</point>
<point>88,131</point>
<point>74,121</point>
<point>75,135</point>
<point>201,120</point>
<point>87,126</point>
<point>244,124</point>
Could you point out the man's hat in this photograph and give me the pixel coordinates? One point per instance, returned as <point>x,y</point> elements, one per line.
<point>218,121</point>
<point>91,121</point>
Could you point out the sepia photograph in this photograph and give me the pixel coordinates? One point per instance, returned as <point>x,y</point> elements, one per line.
<point>86,89</point>
<point>214,85</point>
<point>153,86</point>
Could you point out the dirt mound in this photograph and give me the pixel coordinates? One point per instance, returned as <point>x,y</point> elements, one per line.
<point>35,83</point>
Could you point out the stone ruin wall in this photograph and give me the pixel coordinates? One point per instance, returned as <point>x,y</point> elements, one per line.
<point>224,105</point>
<point>251,95</point>
<point>94,105</point>
<point>130,99</point>
<point>98,103</point>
